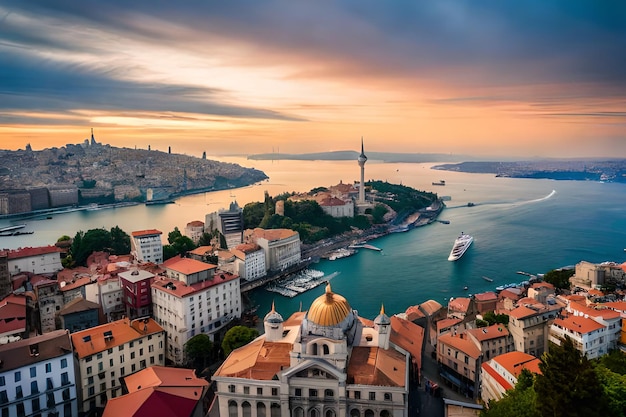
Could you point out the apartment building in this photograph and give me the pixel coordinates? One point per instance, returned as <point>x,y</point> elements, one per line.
<point>249,261</point>
<point>111,351</point>
<point>500,374</point>
<point>529,324</point>
<point>492,340</point>
<point>146,246</point>
<point>460,359</point>
<point>137,294</point>
<point>194,230</point>
<point>37,377</point>
<point>589,337</point>
<point>185,310</point>
<point>281,247</point>
<point>39,260</point>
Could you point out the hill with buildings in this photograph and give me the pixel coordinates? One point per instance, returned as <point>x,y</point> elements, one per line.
<point>91,172</point>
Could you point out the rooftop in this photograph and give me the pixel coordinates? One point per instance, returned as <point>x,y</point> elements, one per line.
<point>26,352</point>
<point>460,343</point>
<point>187,266</point>
<point>487,333</point>
<point>28,252</point>
<point>78,305</point>
<point>136,275</point>
<point>149,232</point>
<point>515,361</point>
<point>97,339</point>
<point>578,324</point>
<point>180,289</point>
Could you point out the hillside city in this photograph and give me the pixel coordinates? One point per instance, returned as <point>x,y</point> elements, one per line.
<point>134,326</point>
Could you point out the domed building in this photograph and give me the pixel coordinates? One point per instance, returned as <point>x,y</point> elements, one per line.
<point>325,362</point>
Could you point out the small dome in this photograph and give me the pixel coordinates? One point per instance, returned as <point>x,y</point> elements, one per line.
<point>273,316</point>
<point>382,318</point>
<point>329,309</point>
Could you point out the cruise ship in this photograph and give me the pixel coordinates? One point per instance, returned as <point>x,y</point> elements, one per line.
<point>460,246</point>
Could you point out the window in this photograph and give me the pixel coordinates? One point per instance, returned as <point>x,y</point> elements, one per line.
<point>259,391</point>
<point>49,384</point>
<point>18,376</point>
<point>111,362</point>
<point>34,389</point>
<point>274,391</point>
<point>122,358</point>
<point>312,393</point>
<point>20,410</point>
<point>18,392</point>
<point>99,356</point>
<point>33,371</point>
<point>2,382</point>
<point>48,368</point>
<point>372,396</point>
<point>89,370</point>
<point>133,368</point>
<point>132,355</point>
<point>90,380</point>
<point>35,404</point>
<point>329,393</point>
<point>65,378</point>
<point>246,390</point>
<point>231,388</point>
<point>298,392</point>
<point>63,363</point>
<point>91,391</point>
<point>4,398</point>
<point>387,396</point>
<point>142,363</point>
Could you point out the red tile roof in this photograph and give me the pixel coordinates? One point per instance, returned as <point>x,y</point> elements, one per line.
<point>496,376</point>
<point>515,361</point>
<point>460,304</point>
<point>189,266</point>
<point>180,289</point>
<point>580,325</point>
<point>488,333</point>
<point>486,296</point>
<point>409,336</point>
<point>148,232</point>
<point>27,252</point>
<point>462,344</point>
<point>195,223</point>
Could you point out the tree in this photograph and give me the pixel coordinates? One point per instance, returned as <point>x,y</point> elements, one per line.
<point>238,336</point>
<point>85,244</point>
<point>173,235</point>
<point>198,351</point>
<point>120,241</point>
<point>568,384</point>
<point>559,277</point>
<point>169,251</point>
<point>183,245</point>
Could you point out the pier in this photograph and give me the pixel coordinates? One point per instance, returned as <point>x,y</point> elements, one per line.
<point>365,246</point>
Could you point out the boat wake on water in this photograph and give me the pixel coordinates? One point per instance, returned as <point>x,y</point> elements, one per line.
<point>514,203</point>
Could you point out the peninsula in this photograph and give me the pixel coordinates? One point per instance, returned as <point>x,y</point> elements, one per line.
<point>94,173</point>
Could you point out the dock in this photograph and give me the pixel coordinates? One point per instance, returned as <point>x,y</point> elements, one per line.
<point>365,246</point>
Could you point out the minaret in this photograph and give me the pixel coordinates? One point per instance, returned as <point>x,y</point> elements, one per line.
<point>362,160</point>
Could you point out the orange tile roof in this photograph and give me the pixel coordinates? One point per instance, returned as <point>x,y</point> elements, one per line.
<point>605,313</point>
<point>76,284</point>
<point>506,385</point>
<point>273,234</point>
<point>486,296</point>
<point>616,305</point>
<point>542,284</point>
<point>462,344</point>
<point>256,360</point>
<point>522,312</point>
<point>460,304</point>
<point>148,232</point>
<point>180,289</point>
<point>376,366</point>
<point>487,333</point>
<point>414,313</point>
<point>189,266</point>
<point>162,376</point>
<point>445,323</point>
<point>506,293</point>
<point>409,336</point>
<point>515,361</point>
<point>202,250</point>
<point>122,332</point>
<point>27,252</point>
<point>578,324</point>
<point>430,307</point>
<point>195,223</point>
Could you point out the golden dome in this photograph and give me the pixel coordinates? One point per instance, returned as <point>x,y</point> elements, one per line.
<point>329,309</point>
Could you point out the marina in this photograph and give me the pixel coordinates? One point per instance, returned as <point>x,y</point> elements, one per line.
<point>301,282</point>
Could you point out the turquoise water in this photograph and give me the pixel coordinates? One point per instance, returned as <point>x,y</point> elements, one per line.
<point>517,224</point>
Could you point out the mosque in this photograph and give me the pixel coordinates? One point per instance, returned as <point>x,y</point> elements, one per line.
<point>324,362</point>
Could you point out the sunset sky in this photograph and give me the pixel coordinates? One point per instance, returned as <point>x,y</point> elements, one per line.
<point>490,78</point>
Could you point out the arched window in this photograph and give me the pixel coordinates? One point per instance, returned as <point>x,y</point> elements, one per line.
<point>329,393</point>
<point>313,412</point>
<point>387,396</point>
<point>369,413</point>
<point>232,409</point>
<point>385,413</point>
<point>355,412</point>
<point>326,349</point>
<point>314,350</point>
<point>329,413</point>
<point>246,409</point>
<point>298,412</point>
<point>260,409</point>
<point>275,410</point>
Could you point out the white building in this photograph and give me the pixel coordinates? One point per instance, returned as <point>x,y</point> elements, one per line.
<point>249,261</point>
<point>108,352</point>
<point>146,246</point>
<point>337,207</point>
<point>607,317</point>
<point>281,247</point>
<point>187,310</point>
<point>37,376</point>
<point>108,292</point>
<point>499,374</point>
<point>39,260</point>
<point>194,230</point>
<point>323,362</point>
<point>588,336</point>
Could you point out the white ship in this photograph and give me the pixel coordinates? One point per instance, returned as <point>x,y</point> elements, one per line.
<point>460,246</point>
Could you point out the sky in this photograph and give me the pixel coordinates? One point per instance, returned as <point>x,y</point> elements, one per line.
<point>530,78</point>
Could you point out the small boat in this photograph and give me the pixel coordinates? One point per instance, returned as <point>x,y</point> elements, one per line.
<point>465,288</point>
<point>487,279</point>
<point>441,182</point>
<point>470,204</point>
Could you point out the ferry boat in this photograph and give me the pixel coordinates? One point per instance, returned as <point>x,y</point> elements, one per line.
<point>440,182</point>
<point>460,246</point>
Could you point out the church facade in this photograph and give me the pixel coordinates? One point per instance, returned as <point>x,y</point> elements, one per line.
<point>325,362</point>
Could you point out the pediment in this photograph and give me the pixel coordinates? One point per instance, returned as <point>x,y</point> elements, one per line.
<point>315,369</point>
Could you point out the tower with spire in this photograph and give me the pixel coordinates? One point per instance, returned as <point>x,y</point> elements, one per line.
<point>362,160</point>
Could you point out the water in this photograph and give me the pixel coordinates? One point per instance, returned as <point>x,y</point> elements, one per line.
<point>517,224</point>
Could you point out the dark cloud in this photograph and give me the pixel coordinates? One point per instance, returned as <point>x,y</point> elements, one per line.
<point>478,44</point>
